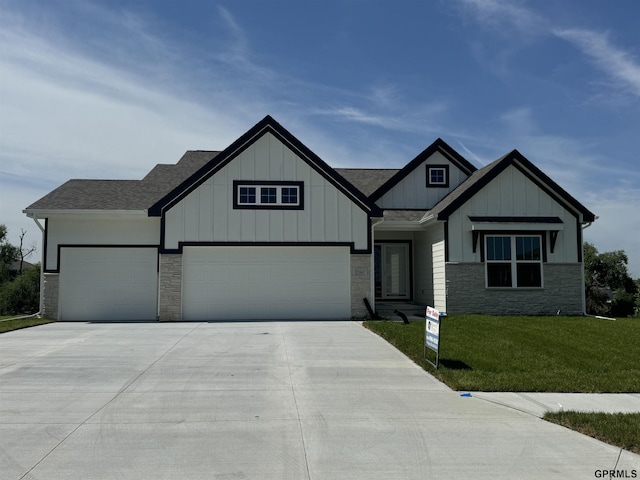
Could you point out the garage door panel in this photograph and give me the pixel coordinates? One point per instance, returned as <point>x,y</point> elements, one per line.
<point>108,284</point>
<point>250,283</point>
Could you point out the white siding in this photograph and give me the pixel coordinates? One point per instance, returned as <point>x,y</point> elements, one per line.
<point>138,230</point>
<point>439,279</point>
<point>424,263</point>
<point>511,193</point>
<point>412,191</point>
<point>207,214</point>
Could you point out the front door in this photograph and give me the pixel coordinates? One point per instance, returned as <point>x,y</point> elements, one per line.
<point>392,279</point>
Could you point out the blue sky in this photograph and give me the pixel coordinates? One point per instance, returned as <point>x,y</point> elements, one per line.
<point>109,88</point>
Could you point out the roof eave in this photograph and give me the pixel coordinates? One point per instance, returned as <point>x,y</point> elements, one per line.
<point>54,212</point>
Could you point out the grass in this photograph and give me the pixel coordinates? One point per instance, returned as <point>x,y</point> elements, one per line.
<point>619,429</point>
<point>526,354</point>
<point>8,324</point>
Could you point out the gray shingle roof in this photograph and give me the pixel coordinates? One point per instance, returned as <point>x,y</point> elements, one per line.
<point>367,180</point>
<point>404,215</point>
<point>123,194</point>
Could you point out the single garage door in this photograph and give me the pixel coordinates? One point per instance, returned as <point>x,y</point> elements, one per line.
<point>108,284</point>
<point>265,283</point>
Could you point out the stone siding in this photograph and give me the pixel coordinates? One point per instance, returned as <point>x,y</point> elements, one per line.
<point>562,292</point>
<point>360,284</point>
<point>50,292</point>
<point>170,288</point>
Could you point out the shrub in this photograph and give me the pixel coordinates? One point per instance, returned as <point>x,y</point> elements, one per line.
<point>22,295</point>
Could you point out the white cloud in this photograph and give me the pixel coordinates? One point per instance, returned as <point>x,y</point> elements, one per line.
<point>617,63</point>
<point>504,15</point>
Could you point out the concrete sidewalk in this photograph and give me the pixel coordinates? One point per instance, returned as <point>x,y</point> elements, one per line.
<point>273,400</point>
<point>537,404</point>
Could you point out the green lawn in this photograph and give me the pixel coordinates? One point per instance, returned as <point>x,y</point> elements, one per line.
<point>619,429</point>
<point>527,354</point>
<point>10,323</point>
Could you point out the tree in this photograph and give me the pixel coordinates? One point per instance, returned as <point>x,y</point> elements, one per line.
<point>19,290</point>
<point>8,255</point>
<point>23,251</point>
<point>609,288</point>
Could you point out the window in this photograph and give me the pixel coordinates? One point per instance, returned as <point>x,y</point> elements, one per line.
<point>289,195</point>
<point>268,195</point>
<point>248,195</point>
<point>262,195</point>
<point>438,176</point>
<point>504,269</point>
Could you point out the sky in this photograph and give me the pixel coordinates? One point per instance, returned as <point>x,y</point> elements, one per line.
<point>109,88</point>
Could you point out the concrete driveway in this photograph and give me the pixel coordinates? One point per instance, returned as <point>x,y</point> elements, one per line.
<point>289,400</point>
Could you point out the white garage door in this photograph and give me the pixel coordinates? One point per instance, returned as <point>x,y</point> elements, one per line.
<point>108,284</point>
<point>265,283</point>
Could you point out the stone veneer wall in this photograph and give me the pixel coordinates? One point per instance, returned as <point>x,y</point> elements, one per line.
<point>170,288</point>
<point>562,292</point>
<point>360,284</point>
<point>50,292</point>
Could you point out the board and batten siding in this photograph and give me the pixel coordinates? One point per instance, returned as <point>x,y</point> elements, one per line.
<point>207,213</point>
<point>135,230</point>
<point>424,263</point>
<point>412,190</point>
<point>511,193</point>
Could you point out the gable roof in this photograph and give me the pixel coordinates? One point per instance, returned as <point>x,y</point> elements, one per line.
<point>438,146</point>
<point>480,178</point>
<point>266,125</point>
<point>123,194</point>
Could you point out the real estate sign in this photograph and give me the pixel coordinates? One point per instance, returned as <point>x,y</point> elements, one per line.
<point>432,334</point>
<point>432,331</point>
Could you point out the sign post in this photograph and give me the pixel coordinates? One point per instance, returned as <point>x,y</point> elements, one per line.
<point>432,334</point>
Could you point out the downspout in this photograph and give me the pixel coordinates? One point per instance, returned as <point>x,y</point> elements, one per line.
<point>42,266</point>
<point>584,293</point>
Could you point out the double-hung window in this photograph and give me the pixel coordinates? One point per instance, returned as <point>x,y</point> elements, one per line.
<point>513,261</point>
<point>270,195</point>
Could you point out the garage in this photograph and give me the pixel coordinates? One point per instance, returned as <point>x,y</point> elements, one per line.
<point>101,284</point>
<point>266,283</point>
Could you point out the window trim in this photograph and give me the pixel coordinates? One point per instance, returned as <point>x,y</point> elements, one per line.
<point>259,205</point>
<point>514,262</point>
<point>445,169</point>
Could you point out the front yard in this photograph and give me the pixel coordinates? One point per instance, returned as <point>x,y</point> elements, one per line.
<point>536,354</point>
<point>527,354</point>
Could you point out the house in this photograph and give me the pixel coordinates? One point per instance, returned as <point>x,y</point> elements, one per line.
<point>265,229</point>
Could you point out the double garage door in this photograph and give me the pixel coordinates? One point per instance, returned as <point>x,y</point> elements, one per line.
<point>218,283</point>
<point>265,283</point>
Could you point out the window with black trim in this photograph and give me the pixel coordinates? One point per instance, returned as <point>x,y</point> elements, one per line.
<point>438,176</point>
<point>513,261</point>
<point>268,195</point>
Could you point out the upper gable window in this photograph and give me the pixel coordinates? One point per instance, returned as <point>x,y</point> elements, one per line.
<point>438,176</point>
<point>268,195</point>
